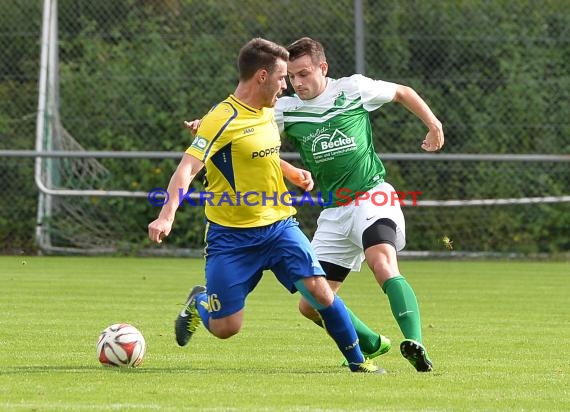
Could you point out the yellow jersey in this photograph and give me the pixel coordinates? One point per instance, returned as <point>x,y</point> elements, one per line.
<point>239,146</point>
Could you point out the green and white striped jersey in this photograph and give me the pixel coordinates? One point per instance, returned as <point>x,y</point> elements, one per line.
<point>333,134</point>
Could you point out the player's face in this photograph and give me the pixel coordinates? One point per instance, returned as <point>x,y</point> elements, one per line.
<point>275,83</point>
<point>307,78</point>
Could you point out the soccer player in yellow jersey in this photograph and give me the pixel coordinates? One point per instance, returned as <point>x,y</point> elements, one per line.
<point>250,227</point>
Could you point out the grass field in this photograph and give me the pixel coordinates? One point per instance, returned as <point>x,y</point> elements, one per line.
<point>498,333</point>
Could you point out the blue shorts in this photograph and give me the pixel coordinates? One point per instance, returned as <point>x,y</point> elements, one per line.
<point>236,259</point>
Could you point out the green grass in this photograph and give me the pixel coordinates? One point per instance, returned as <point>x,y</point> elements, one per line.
<point>498,333</point>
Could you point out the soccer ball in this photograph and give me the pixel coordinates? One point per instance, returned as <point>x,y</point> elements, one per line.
<point>121,344</point>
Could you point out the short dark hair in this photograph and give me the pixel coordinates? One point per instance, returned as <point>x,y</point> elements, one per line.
<point>258,54</point>
<point>309,47</point>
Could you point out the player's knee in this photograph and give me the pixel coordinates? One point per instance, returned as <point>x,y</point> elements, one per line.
<point>383,270</point>
<point>223,329</point>
<point>383,262</point>
<point>321,291</point>
<point>316,291</point>
<point>226,334</point>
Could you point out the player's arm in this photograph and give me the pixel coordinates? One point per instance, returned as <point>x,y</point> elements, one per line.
<point>299,177</point>
<point>180,181</point>
<point>414,103</point>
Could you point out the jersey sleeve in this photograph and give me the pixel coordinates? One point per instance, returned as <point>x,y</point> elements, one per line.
<point>209,136</point>
<point>374,93</point>
<point>280,107</point>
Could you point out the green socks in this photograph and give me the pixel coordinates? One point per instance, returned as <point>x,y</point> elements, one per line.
<point>404,307</point>
<point>368,339</point>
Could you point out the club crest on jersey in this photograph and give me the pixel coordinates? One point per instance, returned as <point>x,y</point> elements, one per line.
<point>200,143</point>
<point>325,147</point>
<point>340,99</point>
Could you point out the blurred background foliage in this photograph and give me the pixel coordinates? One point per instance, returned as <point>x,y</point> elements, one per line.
<point>131,71</point>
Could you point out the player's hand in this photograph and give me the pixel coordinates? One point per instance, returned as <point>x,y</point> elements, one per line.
<point>434,140</point>
<point>159,229</point>
<point>193,126</point>
<point>302,178</point>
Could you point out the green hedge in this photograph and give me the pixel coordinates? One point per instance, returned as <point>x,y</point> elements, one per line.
<point>131,72</point>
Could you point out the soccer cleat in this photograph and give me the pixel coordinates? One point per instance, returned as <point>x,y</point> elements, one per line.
<point>188,320</point>
<point>385,346</point>
<point>416,354</point>
<point>366,367</point>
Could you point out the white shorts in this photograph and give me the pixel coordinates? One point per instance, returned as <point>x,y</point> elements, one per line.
<point>338,238</point>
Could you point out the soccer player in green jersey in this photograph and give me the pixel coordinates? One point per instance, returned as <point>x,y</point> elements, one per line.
<point>328,121</point>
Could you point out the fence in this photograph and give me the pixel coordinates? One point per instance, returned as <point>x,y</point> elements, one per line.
<point>128,73</point>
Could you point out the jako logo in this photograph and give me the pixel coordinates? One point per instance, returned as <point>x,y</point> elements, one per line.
<point>265,152</point>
